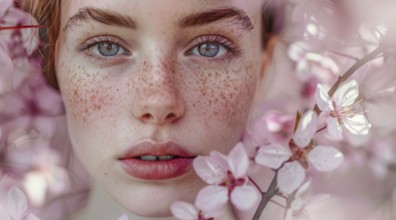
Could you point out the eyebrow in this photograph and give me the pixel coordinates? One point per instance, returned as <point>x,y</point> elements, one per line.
<point>197,19</point>
<point>211,16</point>
<point>101,16</point>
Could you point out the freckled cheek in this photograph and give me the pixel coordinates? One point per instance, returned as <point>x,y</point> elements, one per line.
<point>87,101</point>
<point>226,101</point>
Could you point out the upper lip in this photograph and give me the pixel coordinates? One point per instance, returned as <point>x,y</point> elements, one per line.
<point>150,147</point>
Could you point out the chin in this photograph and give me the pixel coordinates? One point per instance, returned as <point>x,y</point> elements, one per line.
<point>154,198</point>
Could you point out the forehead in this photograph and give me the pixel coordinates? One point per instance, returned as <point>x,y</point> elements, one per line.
<point>160,11</point>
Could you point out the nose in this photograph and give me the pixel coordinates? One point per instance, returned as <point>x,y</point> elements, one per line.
<point>158,101</point>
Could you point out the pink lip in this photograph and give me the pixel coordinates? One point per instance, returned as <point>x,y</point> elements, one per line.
<point>158,169</point>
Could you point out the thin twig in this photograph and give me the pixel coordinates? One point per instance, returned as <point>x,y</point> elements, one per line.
<point>255,184</point>
<point>266,197</point>
<point>373,55</point>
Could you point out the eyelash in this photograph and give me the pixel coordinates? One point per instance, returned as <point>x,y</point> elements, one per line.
<point>222,41</point>
<point>227,44</point>
<point>91,43</point>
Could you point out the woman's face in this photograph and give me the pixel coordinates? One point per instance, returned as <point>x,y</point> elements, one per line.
<point>149,85</point>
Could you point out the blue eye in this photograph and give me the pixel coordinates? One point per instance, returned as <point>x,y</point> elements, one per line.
<point>209,49</point>
<point>108,49</point>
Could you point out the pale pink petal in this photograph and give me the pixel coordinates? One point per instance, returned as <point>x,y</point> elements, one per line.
<point>297,50</point>
<point>211,197</point>
<point>33,217</point>
<point>184,211</point>
<point>330,64</point>
<point>303,188</point>
<point>322,99</point>
<point>346,94</point>
<point>244,197</point>
<point>306,128</point>
<point>208,170</point>
<point>16,203</point>
<point>334,128</point>
<point>4,215</point>
<point>357,124</point>
<point>325,158</point>
<point>317,199</point>
<point>4,5</point>
<point>6,64</point>
<point>290,177</point>
<point>238,161</point>
<point>272,155</point>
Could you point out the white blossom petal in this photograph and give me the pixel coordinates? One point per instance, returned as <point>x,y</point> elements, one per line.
<point>33,217</point>
<point>184,210</point>
<point>16,203</point>
<point>208,170</point>
<point>357,124</point>
<point>272,155</point>
<point>3,214</point>
<point>211,197</point>
<point>325,158</point>
<point>306,129</point>
<point>244,197</point>
<point>238,161</point>
<point>323,99</point>
<point>290,177</point>
<point>346,94</point>
<point>334,128</point>
<point>36,187</point>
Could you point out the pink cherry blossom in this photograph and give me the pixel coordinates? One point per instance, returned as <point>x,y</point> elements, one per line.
<point>342,110</point>
<point>228,179</point>
<point>293,161</point>
<point>297,207</point>
<point>187,211</point>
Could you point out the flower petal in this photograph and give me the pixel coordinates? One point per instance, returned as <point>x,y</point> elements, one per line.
<point>290,177</point>
<point>244,197</point>
<point>357,124</point>
<point>334,128</point>
<point>325,158</point>
<point>322,99</point>
<point>211,198</point>
<point>346,94</point>
<point>208,170</point>
<point>33,217</point>
<point>184,211</point>
<point>4,215</point>
<point>306,129</point>
<point>303,188</point>
<point>272,155</point>
<point>16,203</point>
<point>238,161</point>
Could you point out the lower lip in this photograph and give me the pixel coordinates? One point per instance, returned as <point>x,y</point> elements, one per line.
<point>156,170</point>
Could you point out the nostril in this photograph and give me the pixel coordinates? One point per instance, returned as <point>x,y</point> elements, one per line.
<point>170,116</point>
<point>146,116</point>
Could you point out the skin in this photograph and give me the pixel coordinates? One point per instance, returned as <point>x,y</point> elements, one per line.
<point>157,91</point>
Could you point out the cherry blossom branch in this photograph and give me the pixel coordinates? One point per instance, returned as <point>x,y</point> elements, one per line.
<point>266,197</point>
<point>371,56</point>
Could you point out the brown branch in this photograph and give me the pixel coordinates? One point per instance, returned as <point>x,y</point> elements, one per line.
<point>266,197</point>
<point>371,56</point>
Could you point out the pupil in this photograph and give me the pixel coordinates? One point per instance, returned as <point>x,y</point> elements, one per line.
<point>108,49</point>
<point>209,49</point>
